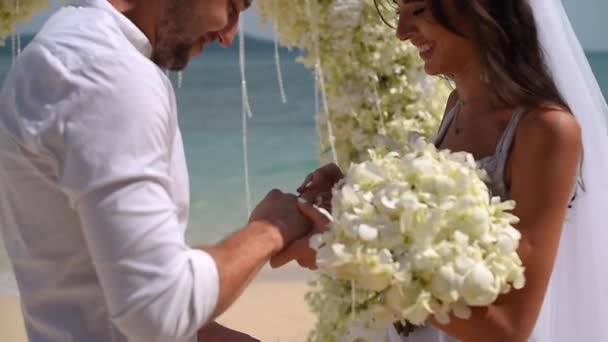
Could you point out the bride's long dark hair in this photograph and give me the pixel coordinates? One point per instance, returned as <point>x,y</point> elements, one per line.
<point>506,37</point>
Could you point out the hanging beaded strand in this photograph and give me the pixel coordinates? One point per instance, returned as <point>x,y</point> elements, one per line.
<point>15,39</point>
<point>14,46</point>
<point>17,33</point>
<point>277,55</point>
<point>246,113</point>
<point>180,79</point>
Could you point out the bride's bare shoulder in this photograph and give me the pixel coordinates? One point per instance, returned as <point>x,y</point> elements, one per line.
<point>548,136</point>
<point>550,123</point>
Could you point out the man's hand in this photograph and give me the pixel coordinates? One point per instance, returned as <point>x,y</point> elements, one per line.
<point>300,250</point>
<point>214,332</point>
<point>273,225</point>
<point>280,210</point>
<point>318,185</point>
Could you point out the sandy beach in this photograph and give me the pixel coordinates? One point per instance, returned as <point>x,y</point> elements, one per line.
<point>11,324</point>
<point>272,309</point>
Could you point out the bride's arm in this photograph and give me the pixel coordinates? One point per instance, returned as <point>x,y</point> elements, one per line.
<point>543,169</point>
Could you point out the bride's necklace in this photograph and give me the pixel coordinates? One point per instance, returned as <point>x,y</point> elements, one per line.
<point>461,107</point>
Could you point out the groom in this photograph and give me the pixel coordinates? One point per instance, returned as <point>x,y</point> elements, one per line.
<point>93,181</point>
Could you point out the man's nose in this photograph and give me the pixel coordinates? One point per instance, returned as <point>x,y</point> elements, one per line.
<point>226,36</point>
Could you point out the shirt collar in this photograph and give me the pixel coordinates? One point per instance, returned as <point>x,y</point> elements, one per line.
<point>135,36</point>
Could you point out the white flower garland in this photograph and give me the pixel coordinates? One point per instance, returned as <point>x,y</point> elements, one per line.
<point>14,12</point>
<point>374,84</point>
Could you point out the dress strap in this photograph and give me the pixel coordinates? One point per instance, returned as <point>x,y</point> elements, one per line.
<point>503,148</point>
<point>446,123</point>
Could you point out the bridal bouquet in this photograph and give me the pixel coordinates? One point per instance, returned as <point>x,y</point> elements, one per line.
<point>13,12</point>
<point>412,235</point>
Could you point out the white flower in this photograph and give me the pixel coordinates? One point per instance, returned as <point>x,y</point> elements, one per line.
<point>367,233</point>
<point>365,175</point>
<point>480,287</point>
<point>508,240</point>
<point>446,284</point>
<point>346,15</point>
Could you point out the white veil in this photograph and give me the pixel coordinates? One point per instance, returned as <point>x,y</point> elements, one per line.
<point>576,304</point>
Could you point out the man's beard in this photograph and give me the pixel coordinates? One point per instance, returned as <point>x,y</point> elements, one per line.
<point>171,55</point>
<point>172,44</point>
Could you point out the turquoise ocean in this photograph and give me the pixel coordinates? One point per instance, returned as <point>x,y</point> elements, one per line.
<point>282,137</point>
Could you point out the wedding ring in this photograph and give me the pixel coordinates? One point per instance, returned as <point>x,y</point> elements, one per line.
<point>319,200</point>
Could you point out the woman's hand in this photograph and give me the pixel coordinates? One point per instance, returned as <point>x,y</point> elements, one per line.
<point>318,185</point>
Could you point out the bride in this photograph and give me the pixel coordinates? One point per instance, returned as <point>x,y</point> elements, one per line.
<point>527,107</point>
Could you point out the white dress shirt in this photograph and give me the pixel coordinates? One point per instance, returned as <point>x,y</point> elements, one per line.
<point>94,194</point>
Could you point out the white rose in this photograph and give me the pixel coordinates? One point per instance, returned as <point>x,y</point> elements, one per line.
<point>479,287</point>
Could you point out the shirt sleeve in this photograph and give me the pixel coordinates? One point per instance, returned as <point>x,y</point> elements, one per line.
<point>116,173</point>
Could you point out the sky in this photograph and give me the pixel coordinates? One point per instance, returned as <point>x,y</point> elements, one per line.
<point>587,17</point>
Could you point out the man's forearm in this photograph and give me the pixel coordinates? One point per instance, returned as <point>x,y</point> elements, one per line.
<point>240,257</point>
